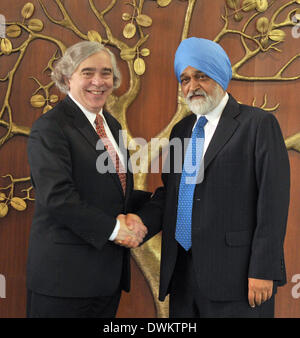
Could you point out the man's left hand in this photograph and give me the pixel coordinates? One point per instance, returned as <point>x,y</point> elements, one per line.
<point>134,225</point>
<point>259,291</point>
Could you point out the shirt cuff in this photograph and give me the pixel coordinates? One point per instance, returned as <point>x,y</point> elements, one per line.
<point>115,232</point>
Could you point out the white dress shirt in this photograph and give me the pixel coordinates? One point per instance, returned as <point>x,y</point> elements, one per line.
<point>213,118</point>
<point>91,117</point>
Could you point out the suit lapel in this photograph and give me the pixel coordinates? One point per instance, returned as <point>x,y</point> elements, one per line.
<point>184,133</point>
<point>83,125</point>
<point>225,129</point>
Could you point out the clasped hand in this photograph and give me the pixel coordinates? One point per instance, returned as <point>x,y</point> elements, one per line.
<point>132,231</point>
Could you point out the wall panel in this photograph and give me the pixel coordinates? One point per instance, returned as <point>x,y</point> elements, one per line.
<point>152,109</point>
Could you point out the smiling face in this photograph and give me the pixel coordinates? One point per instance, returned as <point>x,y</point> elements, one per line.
<point>92,82</point>
<point>202,93</point>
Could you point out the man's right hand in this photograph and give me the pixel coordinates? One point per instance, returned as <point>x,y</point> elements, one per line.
<point>132,231</point>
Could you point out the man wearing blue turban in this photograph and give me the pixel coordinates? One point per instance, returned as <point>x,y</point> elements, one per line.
<point>223,232</point>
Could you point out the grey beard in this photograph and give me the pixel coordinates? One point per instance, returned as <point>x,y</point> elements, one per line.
<point>207,103</point>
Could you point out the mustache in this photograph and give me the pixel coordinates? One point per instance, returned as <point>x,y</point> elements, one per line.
<point>197,92</point>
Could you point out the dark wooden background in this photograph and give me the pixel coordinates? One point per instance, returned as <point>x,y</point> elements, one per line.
<point>148,115</point>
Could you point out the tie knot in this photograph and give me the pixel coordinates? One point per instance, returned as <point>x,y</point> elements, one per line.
<point>201,122</point>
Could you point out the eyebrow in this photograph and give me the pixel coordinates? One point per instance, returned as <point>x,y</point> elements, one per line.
<point>91,69</point>
<point>87,69</point>
<point>107,69</point>
<point>195,72</point>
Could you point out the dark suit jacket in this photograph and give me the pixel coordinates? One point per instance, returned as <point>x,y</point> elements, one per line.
<point>239,210</point>
<point>75,209</point>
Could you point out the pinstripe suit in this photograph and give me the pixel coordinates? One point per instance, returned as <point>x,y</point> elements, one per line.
<point>239,210</point>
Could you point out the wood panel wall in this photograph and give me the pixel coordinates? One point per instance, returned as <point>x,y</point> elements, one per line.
<point>148,115</point>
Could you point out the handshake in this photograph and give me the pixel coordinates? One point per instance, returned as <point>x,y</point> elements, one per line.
<point>132,231</point>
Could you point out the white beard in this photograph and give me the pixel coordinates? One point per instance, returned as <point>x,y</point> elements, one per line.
<point>207,102</point>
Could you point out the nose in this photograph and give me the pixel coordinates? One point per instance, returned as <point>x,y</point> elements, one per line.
<point>194,84</point>
<point>97,80</point>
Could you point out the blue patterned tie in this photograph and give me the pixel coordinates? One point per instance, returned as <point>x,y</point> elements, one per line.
<point>188,180</point>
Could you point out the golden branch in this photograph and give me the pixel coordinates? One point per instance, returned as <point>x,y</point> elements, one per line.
<point>66,22</point>
<point>249,54</point>
<point>293,142</point>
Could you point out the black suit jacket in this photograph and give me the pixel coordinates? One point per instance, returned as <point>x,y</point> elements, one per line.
<point>239,210</point>
<point>75,209</point>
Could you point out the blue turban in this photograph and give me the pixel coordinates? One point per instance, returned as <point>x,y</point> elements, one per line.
<point>205,55</point>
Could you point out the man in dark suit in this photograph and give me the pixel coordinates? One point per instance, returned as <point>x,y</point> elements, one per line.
<point>224,217</point>
<point>75,268</point>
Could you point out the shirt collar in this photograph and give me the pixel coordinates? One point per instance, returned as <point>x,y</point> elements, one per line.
<point>214,115</point>
<point>90,116</point>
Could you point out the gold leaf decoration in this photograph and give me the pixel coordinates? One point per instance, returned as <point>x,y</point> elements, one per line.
<point>6,46</point>
<point>27,10</point>
<point>238,17</point>
<point>13,31</point>
<point>262,5</point>
<point>94,36</point>
<point>126,16</point>
<point>2,197</point>
<point>262,25</point>
<point>139,66</point>
<point>35,25</point>
<point>3,210</point>
<point>145,52</point>
<point>232,3</point>
<point>53,98</point>
<point>129,31</point>
<point>127,54</point>
<point>144,20</point>
<point>163,3</point>
<point>47,108</point>
<point>249,5</point>
<point>37,101</point>
<point>264,42</point>
<point>277,35</point>
<point>18,204</point>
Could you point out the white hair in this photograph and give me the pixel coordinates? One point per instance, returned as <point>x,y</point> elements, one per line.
<point>72,58</point>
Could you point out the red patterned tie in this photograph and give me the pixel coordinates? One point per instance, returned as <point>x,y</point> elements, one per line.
<point>111,151</point>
